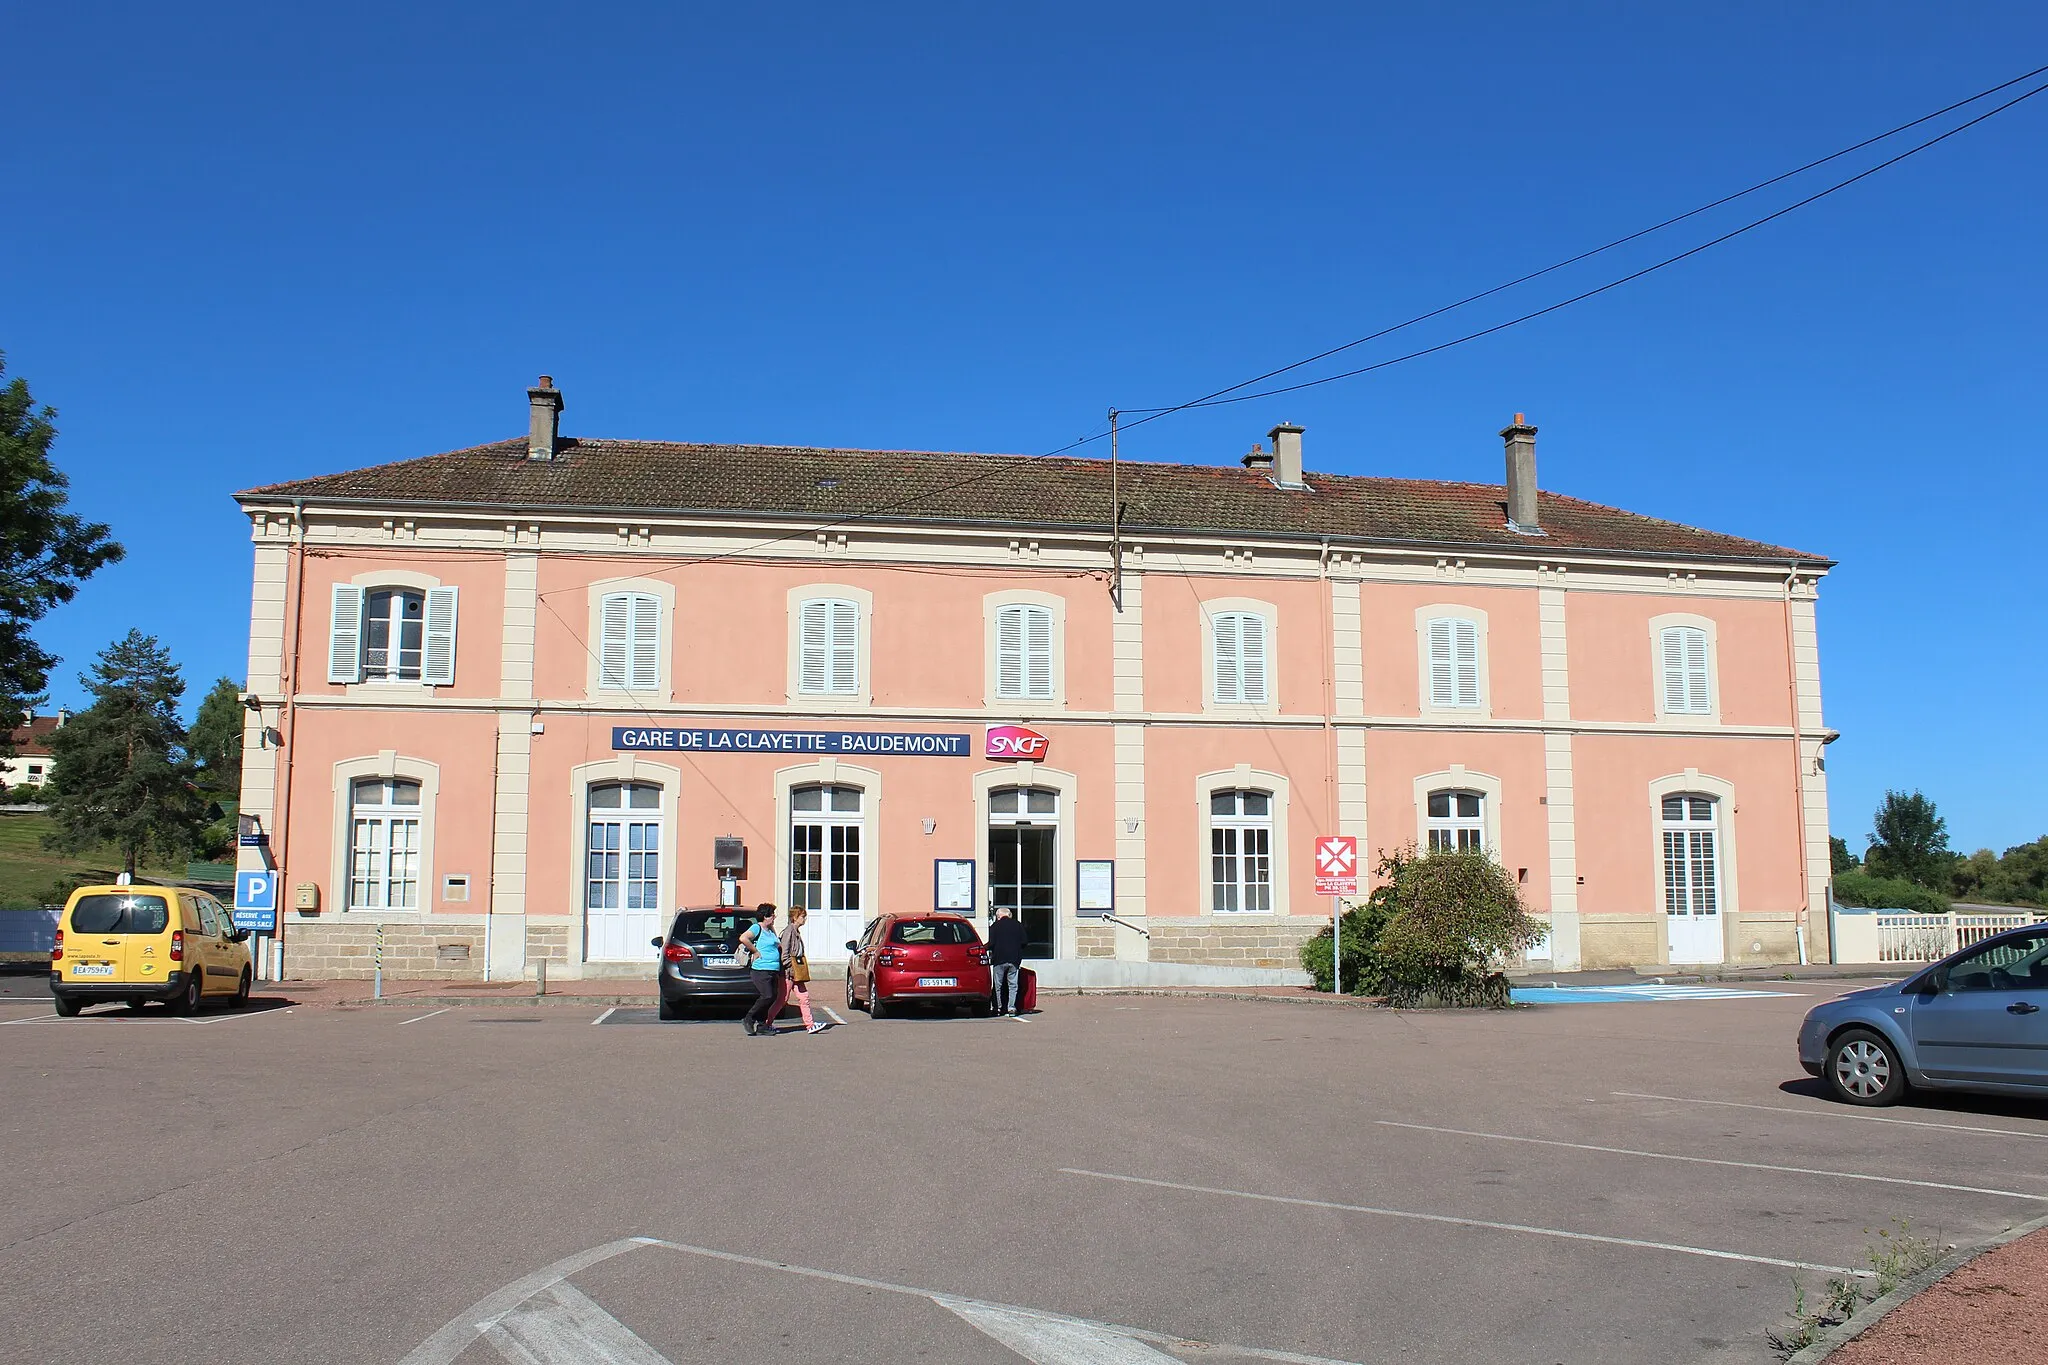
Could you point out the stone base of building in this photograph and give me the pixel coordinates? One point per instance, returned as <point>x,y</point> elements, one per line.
<point>1246,941</point>
<point>1608,941</point>
<point>327,950</point>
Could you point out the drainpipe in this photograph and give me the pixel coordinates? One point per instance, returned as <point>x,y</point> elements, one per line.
<point>290,721</point>
<point>1799,770</point>
<point>1329,687</point>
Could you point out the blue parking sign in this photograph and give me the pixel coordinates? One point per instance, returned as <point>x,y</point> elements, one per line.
<point>256,901</point>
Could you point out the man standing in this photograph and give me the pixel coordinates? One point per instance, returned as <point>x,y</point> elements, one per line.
<point>1005,960</point>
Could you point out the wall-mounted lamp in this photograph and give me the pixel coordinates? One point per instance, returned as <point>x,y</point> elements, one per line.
<point>931,826</point>
<point>1131,824</point>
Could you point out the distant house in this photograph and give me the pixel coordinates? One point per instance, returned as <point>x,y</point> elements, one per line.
<point>29,763</point>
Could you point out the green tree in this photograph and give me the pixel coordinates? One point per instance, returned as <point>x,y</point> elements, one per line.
<point>1840,856</point>
<point>1910,842</point>
<point>1456,912</point>
<point>121,775</point>
<point>45,550</point>
<point>216,741</point>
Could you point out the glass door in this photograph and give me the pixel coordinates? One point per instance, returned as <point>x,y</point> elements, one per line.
<point>825,845</point>
<point>1023,863</point>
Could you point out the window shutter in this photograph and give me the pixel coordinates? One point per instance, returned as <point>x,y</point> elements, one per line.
<point>1443,689</point>
<point>1251,650</point>
<point>345,635</point>
<point>1224,630</point>
<point>646,631</point>
<point>1010,652</point>
<point>845,648</point>
<point>614,626</point>
<point>1696,681</point>
<point>1037,653</point>
<point>1674,671</point>
<point>437,668</point>
<point>814,647</point>
<point>1466,655</point>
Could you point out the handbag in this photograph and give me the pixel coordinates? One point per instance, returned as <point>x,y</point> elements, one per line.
<point>799,960</point>
<point>800,972</point>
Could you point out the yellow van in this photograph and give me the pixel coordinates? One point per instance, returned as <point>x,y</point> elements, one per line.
<point>141,943</point>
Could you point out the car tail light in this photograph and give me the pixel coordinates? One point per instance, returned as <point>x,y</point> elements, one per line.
<point>887,958</point>
<point>676,952</point>
<point>980,956</point>
<point>177,945</point>
<point>57,948</point>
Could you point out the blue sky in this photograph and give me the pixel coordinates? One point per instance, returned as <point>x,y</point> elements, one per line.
<point>247,243</point>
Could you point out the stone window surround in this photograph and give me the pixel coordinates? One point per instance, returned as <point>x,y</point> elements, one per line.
<point>1214,607</point>
<point>385,763</point>
<point>831,771</point>
<point>864,687</point>
<point>1658,625</point>
<point>1066,895</point>
<point>1452,611</point>
<point>1458,777</point>
<point>1245,777</point>
<point>1693,782</point>
<point>662,590</point>
<point>627,767</point>
<point>1026,707</point>
<point>412,581</point>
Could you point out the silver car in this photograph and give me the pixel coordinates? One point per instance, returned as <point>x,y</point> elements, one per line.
<point>1976,1020</point>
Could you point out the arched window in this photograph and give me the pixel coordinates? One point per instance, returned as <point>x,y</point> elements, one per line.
<point>392,634</point>
<point>826,844</point>
<point>1456,820</point>
<point>1241,852</point>
<point>1692,872</point>
<point>384,844</point>
<point>622,870</point>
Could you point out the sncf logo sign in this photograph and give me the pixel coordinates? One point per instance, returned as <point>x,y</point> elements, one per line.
<point>1015,742</point>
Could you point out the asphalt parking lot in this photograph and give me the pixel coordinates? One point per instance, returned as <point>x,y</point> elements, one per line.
<point>1116,1179</point>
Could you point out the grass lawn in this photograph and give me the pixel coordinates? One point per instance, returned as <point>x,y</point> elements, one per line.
<point>29,872</point>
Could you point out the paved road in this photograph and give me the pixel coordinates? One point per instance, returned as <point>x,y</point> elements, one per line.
<point>1113,1180</point>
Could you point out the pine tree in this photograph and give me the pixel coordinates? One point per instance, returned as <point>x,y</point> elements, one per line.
<point>121,774</point>
<point>216,740</point>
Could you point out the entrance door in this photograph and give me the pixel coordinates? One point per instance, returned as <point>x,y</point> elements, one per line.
<point>622,873</point>
<point>825,849</point>
<point>1692,879</point>
<point>1023,863</point>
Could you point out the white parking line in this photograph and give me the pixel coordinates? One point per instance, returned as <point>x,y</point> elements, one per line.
<point>453,1339</point>
<point>1710,1161</point>
<point>833,1013</point>
<point>1566,1234</point>
<point>233,1018</point>
<point>1832,1114</point>
<point>561,1325</point>
<point>417,1017</point>
<point>606,1015</point>
<point>31,1019</point>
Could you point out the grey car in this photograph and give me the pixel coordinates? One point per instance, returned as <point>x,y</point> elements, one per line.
<point>1976,1020</point>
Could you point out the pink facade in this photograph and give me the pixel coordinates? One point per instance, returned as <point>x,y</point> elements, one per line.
<point>1544,700</point>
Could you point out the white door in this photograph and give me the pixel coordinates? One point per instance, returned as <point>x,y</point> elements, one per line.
<point>826,844</point>
<point>1692,880</point>
<point>622,873</point>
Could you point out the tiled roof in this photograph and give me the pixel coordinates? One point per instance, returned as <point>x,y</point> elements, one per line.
<point>29,740</point>
<point>1018,490</point>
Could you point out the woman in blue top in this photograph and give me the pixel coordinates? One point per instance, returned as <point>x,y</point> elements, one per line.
<point>765,948</point>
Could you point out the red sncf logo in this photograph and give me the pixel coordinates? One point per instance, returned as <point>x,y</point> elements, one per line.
<point>1015,742</point>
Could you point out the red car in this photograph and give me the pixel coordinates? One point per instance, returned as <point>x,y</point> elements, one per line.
<point>911,959</point>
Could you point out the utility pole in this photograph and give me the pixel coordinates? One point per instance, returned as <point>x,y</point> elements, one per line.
<point>1116,524</point>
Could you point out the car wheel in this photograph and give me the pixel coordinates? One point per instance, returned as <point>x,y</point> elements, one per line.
<point>241,1000</point>
<point>66,1007</point>
<point>669,1012</point>
<point>1864,1068</point>
<point>187,1000</point>
<point>876,1009</point>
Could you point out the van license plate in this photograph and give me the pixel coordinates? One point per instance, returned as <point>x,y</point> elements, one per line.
<point>92,969</point>
<point>721,962</point>
<point>938,981</point>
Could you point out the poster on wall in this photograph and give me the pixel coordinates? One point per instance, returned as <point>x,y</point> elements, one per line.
<point>953,885</point>
<point>1096,884</point>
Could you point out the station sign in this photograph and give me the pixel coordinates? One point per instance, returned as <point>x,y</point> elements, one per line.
<point>909,744</point>
<point>1016,743</point>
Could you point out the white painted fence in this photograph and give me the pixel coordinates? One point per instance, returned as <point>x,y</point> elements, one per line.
<point>1896,936</point>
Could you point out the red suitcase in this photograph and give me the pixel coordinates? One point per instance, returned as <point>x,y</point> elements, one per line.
<point>1027,990</point>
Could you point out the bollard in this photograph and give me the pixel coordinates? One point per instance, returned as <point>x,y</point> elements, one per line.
<point>378,990</point>
<point>540,977</point>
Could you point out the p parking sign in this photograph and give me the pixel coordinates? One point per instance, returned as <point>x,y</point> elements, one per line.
<point>256,901</point>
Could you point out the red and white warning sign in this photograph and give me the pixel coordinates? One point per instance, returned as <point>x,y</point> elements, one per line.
<point>1337,865</point>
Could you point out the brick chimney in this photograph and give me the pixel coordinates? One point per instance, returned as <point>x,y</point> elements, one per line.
<point>545,402</point>
<point>1521,453</point>
<point>1258,459</point>
<point>1286,440</point>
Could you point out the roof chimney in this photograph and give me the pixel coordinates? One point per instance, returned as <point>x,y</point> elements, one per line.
<point>1286,440</point>
<point>545,401</point>
<point>1258,459</point>
<point>1521,452</point>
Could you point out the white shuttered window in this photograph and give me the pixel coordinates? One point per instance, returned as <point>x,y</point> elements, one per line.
<point>392,635</point>
<point>828,639</point>
<point>1024,652</point>
<point>1242,667</point>
<point>1453,662</point>
<point>629,655</point>
<point>1687,678</point>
